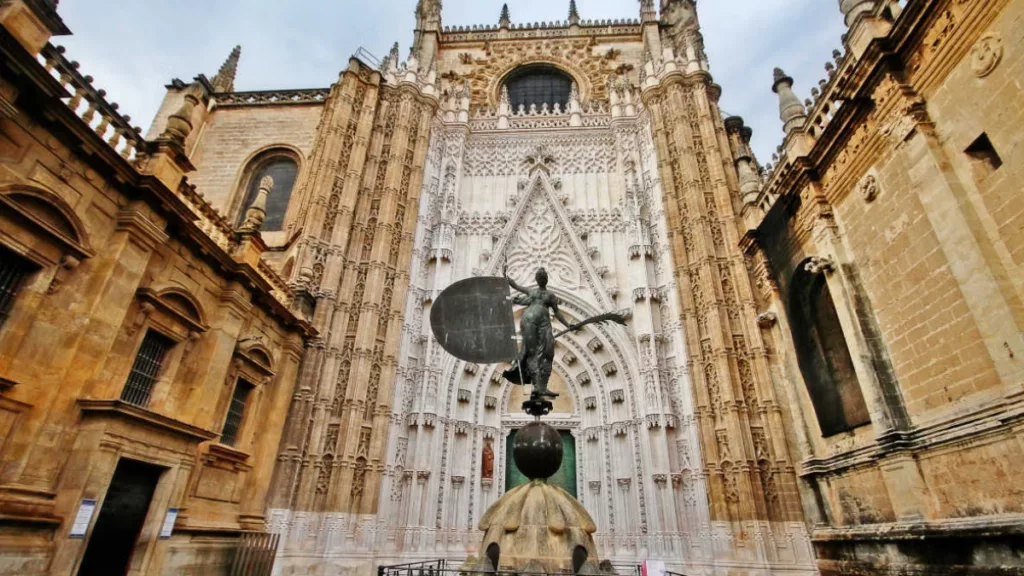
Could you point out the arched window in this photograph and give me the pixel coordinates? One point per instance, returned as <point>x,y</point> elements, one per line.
<point>280,166</point>
<point>824,357</point>
<point>538,84</point>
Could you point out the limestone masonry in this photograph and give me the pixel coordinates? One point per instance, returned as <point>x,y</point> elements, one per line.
<point>215,347</point>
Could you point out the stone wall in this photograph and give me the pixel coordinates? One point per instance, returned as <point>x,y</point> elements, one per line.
<point>909,219</point>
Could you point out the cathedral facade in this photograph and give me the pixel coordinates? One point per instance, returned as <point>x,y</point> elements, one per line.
<point>820,371</point>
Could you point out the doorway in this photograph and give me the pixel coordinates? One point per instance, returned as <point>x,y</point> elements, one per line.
<point>120,520</point>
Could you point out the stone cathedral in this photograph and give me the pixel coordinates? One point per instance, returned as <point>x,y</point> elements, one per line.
<point>215,341</point>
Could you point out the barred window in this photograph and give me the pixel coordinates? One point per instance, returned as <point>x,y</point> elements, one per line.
<point>236,411</point>
<point>538,85</point>
<point>283,170</point>
<point>146,368</point>
<point>13,271</point>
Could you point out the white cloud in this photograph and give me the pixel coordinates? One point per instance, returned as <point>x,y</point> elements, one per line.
<point>133,48</point>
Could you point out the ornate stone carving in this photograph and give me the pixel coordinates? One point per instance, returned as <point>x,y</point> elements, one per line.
<point>820,265</point>
<point>767,319</point>
<point>868,188</point>
<point>986,54</point>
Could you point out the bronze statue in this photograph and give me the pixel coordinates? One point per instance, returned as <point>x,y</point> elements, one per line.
<point>533,366</point>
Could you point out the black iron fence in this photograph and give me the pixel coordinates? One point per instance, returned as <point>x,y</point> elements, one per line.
<point>444,567</point>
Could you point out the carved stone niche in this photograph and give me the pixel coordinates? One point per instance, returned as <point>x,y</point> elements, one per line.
<point>44,229</point>
<point>461,427</point>
<point>569,358</point>
<point>609,369</point>
<point>618,396</point>
<point>590,402</point>
<point>471,368</point>
<point>583,379</point>
<point>595,345</point>
<point>465,395</point>
<point>490,402</point>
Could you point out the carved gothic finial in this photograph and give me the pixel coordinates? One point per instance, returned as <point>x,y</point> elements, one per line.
<point>224,80</point>
<point>574,15</point>
<point>647,11</point>
<point>505,20</point>
<point>257,211</point>
<point>854,9</point>
<point>791,111</point>
<point>179,124</point>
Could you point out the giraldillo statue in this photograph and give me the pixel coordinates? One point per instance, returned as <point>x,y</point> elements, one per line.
<point>533,365</point>
<point>535,528</point>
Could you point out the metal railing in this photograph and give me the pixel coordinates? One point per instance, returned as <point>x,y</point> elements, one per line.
<point>255,554</point>
<point>443,567</point>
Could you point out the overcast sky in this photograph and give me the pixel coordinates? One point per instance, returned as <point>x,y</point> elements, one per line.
<point>134,47</point>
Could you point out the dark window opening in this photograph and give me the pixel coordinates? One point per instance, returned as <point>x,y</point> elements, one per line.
<point>236,411</point>
<point>284,171</point>
<point>538,85</point>
<point>824,356</point>
<point>984,158</point>
<point>13,271</point>
<point>146,368</point>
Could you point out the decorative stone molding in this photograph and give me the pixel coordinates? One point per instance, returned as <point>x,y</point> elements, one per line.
<point>619,429</point>
<point>660,479</point>
<point>590,402</point>
<point>595,345</point>
<point>422,476</point>
<point>465,395</point>
<point>624,483</point>
<point>609,369</point>
<point>595,486</point>
<point>458,481</point>
<point>986,54</point>
<point>569,358</point>
<point>618,396</point>
<point>820,265</point>
<point>461,427</point>
<point>583,379</point>
<point>490,402</point>
<point>767,319</point>
<point>471,368</point>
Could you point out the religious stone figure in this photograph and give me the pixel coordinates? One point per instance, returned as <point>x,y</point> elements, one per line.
<point>487,467</point>
<point>533,366</point>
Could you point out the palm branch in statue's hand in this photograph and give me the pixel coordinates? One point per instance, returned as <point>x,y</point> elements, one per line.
<point>609,317</point>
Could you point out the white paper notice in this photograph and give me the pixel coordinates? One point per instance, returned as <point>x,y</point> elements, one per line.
<point>168,527</point>
<point>82,519</point>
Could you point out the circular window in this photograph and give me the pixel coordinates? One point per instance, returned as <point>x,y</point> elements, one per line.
<point>538,85</point>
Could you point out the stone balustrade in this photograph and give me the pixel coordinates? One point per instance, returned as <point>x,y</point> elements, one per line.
<point>90,104</point>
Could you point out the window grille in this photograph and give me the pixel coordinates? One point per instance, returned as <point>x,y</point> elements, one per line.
<point>538,85</point>
<point>13,271</point>
<point>146,368</point>
<point>235,413</point>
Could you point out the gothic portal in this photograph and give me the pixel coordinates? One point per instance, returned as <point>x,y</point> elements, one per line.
<point>596,150</point>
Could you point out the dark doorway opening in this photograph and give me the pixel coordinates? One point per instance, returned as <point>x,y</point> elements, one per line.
<point>120,519</point>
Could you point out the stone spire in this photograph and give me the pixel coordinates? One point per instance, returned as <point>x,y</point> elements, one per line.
<point>257,211</point>
<point>647,11</point>
<point>791,111</point>
<point>574,15</point>
<point>224,81</point>
<point>504,21</point>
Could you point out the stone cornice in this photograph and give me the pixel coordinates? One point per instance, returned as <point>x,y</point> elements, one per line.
<point>123,411</point>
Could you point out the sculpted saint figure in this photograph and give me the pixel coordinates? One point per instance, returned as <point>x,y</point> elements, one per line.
<point>537,353</point>
<point>487,466</point>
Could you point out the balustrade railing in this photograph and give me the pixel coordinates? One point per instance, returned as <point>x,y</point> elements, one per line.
<point>90,104</point>
<point>444,567</point>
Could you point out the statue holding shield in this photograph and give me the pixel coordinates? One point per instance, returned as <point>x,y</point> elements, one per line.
<point>472,320</point>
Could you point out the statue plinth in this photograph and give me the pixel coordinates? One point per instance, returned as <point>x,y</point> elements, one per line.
<point>537,527</point>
